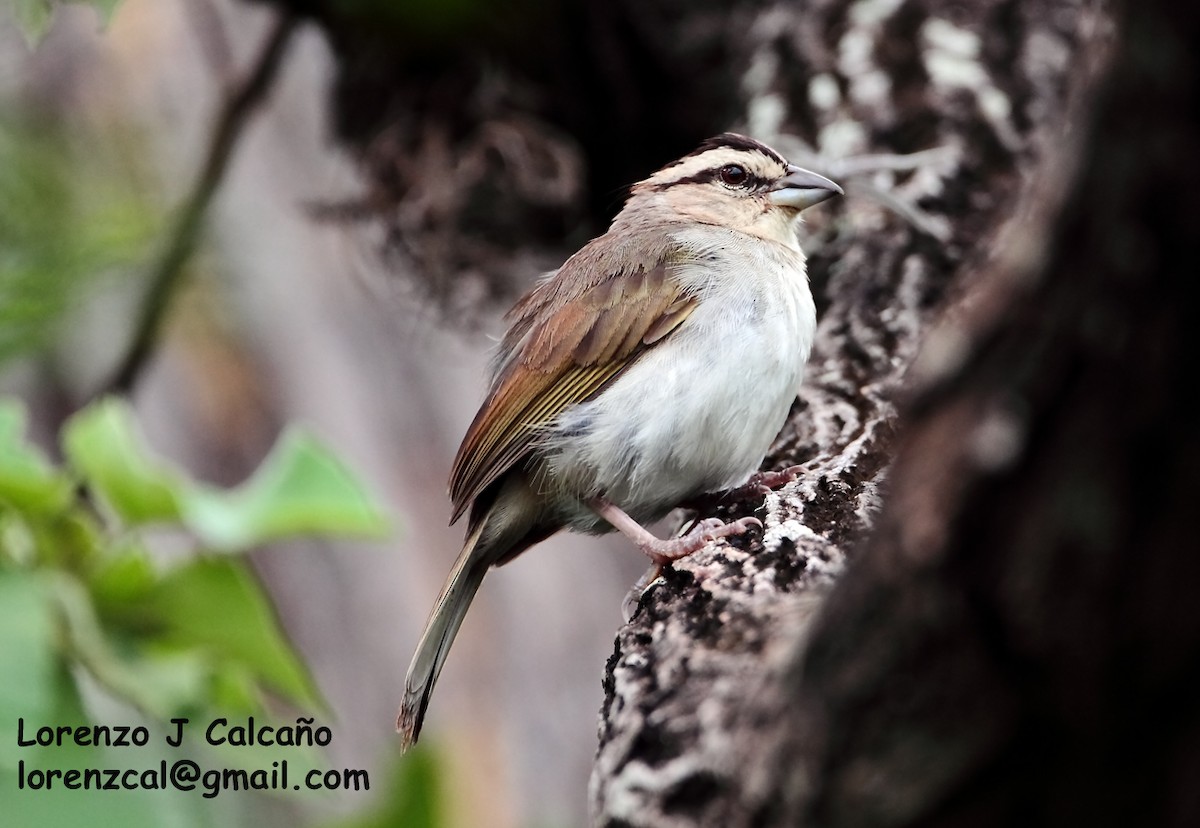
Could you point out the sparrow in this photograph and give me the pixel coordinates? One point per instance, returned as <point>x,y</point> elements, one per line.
<point>656,365</point>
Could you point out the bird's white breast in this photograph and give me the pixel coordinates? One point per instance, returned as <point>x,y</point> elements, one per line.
<point>698,412</point>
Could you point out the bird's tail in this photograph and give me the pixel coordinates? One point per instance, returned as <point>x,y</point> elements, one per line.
<point>447,616</point>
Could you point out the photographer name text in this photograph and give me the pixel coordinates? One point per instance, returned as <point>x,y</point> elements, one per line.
<point>217,732</point>
<point>182,773</point>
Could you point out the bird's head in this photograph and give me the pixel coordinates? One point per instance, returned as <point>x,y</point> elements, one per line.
<point>731,181</point>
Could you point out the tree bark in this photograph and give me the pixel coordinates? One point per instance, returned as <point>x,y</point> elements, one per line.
<point>1019,642</point>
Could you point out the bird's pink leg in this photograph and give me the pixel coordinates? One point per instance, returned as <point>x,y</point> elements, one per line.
<point>662,552</point>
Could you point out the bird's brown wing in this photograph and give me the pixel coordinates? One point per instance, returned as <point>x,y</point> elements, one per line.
<point>574,338</point>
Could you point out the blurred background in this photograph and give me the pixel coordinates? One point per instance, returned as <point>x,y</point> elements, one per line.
<point>336,282</point>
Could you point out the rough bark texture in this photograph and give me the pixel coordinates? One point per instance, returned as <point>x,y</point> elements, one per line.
<point>1018,644</point>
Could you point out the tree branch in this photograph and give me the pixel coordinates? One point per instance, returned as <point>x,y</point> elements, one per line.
<point>166,276</point>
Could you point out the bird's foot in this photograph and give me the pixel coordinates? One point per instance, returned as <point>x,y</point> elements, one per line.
<point>759,484</point>
<point>762,482</point>
<point>663,552</point>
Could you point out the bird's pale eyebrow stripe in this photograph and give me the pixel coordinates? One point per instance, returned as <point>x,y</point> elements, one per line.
<point>704,177</point>
<point>703,165</point>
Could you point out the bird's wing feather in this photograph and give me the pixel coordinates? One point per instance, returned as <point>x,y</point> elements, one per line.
<point>574,338</point>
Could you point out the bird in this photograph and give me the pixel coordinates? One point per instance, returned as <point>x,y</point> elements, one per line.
<point>656,365</point>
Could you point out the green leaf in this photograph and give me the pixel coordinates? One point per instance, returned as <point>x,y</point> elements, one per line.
<point>124,577</point>
<point>141,682</point>
<point>300,489</point>
<point>217,605</point>
<point>29,658</point>
<point>27,481</point>
<point>169,682</point>
<point>102,443</point>
<point>203,630</point>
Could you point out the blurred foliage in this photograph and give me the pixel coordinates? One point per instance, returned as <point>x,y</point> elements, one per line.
<point>34,17</point>
<point>125,592</point>
<point>87,611</point>
<point>66,220</point>
<point>167,637</point>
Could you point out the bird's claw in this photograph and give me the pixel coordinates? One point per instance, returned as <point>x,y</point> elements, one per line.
<point>763,482</point>
<point>663,552</point>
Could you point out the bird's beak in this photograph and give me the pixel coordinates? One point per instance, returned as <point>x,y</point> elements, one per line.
<point>801,189</point>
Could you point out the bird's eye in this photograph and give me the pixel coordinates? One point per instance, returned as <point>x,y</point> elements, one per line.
<point>734,175</point>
